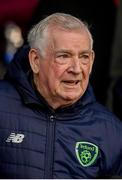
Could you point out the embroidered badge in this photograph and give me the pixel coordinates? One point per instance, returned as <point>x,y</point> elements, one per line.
<point>86,153</point>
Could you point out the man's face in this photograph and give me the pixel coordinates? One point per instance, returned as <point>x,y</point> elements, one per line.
<point>64,71</point>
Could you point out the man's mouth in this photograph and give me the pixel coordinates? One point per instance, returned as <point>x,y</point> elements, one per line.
<point>71,82</point>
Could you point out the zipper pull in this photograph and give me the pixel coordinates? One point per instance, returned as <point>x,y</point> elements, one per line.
<point>52,118</point>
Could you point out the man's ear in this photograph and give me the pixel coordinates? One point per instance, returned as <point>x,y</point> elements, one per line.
<point>34,60</point>
<point>92,60</point>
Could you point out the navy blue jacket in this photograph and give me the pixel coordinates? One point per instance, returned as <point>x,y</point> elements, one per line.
<point>80,141</point>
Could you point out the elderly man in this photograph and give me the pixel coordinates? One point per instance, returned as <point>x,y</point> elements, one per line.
<point>51,126</point>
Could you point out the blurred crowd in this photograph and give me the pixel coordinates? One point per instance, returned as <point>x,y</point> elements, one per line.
<point>104,19</point>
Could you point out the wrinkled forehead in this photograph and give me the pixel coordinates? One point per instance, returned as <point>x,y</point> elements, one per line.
<point>59,34</point>
<point>57,30</point>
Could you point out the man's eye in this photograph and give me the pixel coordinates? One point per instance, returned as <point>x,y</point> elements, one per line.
<point>63,56</point>
<point>85,56</point>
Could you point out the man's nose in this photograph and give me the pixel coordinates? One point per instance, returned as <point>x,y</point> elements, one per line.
<point>75,66</point>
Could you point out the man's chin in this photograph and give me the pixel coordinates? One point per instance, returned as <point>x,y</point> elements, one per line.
<point>71,97</point>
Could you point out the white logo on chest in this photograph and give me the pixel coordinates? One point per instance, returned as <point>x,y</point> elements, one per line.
<point>15,138</point>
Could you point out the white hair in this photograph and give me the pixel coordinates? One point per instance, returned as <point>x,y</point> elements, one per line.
<point>38,37</point>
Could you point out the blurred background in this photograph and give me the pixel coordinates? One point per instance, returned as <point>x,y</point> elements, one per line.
<point>104,19</point>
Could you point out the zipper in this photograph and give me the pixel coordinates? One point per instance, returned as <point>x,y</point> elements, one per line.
<point>50,148</point>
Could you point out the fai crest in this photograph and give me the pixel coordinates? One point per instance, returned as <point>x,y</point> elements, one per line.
<point>86,153</point>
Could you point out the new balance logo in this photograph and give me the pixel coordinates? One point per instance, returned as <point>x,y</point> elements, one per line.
<point>15,138</point>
